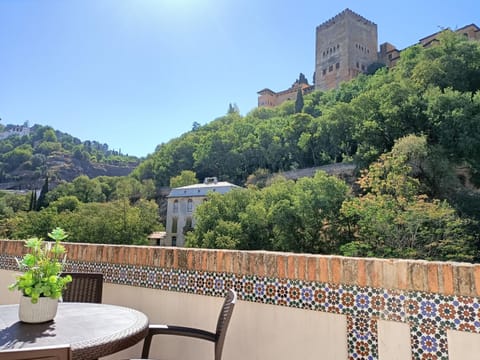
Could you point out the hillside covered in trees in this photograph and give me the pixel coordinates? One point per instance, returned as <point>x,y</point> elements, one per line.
<point>413,131</point>
<point>431,92</point>
<point>27,159</point>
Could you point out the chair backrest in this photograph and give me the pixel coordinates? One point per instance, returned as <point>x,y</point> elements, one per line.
<point>61,352</point>
<point>223,321</point>
<point>85,287</point>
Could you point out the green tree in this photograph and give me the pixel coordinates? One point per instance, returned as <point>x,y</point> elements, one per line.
<point>233,109</point>
<point>439,65</point>
<point>394,219</point>
<point>186,177</point>
<point>17,156</point>
<point>297,216</point>
<point>454,119</point>
<point>217,221</point>
<point>299,101</point>
<point>304,215</point>
<point>48,147</point>
<point>128,188</point>
<point>65,203</point>
<point>89,222</point>
<point>87,190</point>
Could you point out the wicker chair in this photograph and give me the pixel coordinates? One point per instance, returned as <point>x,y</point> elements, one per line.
<point>218,338</point>
<point>61,352</point>
<point>85,287</point>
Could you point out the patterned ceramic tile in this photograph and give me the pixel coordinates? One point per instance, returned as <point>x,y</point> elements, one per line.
<point>428,342</point>
<point>362,338</point>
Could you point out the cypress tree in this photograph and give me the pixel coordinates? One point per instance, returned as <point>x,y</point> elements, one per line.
<point>299,101</point>
<point>33,201</point>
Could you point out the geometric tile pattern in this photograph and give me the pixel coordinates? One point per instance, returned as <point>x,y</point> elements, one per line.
<point>428,342</point>
<point>428,315</point>
<point>362,338</point>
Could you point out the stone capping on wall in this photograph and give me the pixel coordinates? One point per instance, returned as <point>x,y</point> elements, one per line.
<point>447,278</point>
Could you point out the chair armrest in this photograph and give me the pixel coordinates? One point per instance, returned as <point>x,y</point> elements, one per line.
<point>174,330</point>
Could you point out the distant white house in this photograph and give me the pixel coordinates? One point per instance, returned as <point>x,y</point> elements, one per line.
<point>182,202</point>
<point>19,130</point>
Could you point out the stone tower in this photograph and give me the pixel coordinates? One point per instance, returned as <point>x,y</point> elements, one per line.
<point>345,46</point>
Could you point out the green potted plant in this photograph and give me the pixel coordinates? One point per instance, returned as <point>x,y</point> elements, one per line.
<point>41,283</point>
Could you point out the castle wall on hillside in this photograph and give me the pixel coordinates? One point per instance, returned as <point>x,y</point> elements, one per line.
<point>346,45</point>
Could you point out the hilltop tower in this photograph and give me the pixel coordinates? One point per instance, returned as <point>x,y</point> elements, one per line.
<point>345,46</point>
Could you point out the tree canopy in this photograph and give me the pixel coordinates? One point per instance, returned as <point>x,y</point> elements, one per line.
<point>432,92</point>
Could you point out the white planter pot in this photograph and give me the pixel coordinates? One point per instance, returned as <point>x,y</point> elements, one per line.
<point>44,310</point>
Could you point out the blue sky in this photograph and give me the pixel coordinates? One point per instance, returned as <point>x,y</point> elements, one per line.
<point>137,73</point>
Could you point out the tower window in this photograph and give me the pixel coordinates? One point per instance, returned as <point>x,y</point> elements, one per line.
<point>330,68</point>
<point>337,65</point>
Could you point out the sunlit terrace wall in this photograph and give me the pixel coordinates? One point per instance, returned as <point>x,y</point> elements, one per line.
<point>292,306</point>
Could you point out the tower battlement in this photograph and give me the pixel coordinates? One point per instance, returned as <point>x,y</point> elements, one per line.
<point>341,15</point>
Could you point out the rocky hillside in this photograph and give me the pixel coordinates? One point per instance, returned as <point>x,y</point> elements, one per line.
<point>60,168</point>
<point>28,155</point>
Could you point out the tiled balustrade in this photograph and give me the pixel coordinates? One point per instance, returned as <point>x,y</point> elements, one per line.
<point>437,302</point>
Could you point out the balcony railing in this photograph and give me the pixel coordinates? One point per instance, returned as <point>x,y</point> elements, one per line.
<point>292,306</point>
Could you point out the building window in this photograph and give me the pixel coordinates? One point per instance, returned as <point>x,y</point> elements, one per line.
<point>324,71</point>
<point>389,56</point>
<point>330,68</point>
<point>358,65</point>
<point>175,206</point>
<point>337,65</point>
<point>188,225</point>
<point>174,225</point>
<point>174,241</point>
<point>363,67</point>
<point>189,205</point>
